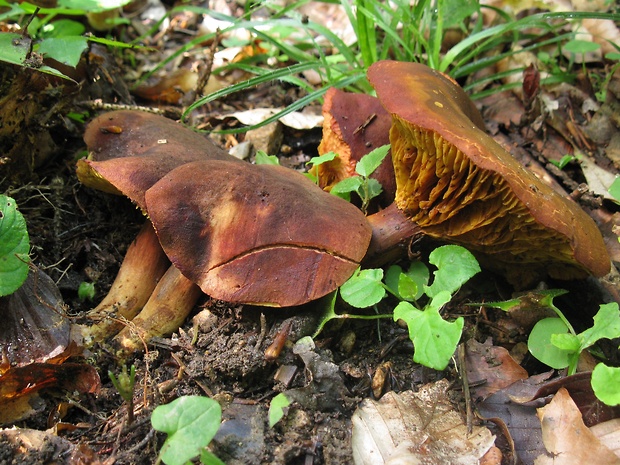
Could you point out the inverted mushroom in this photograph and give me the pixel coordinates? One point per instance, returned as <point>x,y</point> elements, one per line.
<point>456,184</point>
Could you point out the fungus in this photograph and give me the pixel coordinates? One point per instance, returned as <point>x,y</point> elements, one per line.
<point>456,184</point>
<point>263,235</point>
<point>256,234</point>
<point>354,125</point>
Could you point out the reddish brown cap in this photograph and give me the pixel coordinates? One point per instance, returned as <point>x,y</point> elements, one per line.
<point>257,234</point>
<point>131,150</point>
<point>459,185</point>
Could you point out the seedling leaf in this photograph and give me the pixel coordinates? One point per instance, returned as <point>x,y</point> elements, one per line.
<point>315,161</point>
<point>606,326</point>
<point>344,188</point>
<point>605,382</point>
<point>540,345</point>
<point>614,189</point>
<point>434,338</point>
<point>417,272</point>
<point>66,50</point>
<point>262,158</point>
<point>371,161</point>
<point>364,288</point>
<point>14,247</point>
<point>455,266</point>
<point>276,408</point>
<point>190,422</point>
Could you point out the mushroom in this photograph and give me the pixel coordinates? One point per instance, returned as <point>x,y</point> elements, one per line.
<point>263,235</point>
<point>256,234</point>
<point>354,125</point>
<point>456,184</point>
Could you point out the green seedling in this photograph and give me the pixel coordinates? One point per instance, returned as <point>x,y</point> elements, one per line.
<point>14,247</point>
<point>565,160</point>
<point>277,408</point>
<point>190,422</point>
<point>434,338</point>
<point>262,158</point>
<point>363,185</point>
<point>614,189</point>
<point>555,342</point>
<point>316,161</point>
<point>86,291</point>
<point>125,384</point>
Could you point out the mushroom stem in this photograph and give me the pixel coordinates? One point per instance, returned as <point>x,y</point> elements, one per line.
<point>170,303</point>
<point>144,264</point>
<point>391,233</point>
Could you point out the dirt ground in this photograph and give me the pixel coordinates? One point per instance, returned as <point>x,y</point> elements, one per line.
<point>79,234</point>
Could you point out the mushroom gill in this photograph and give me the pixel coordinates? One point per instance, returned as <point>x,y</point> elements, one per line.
<point>458,185</point>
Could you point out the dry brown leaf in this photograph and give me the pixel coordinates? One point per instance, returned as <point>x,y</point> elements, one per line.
<point>608,433</point>
<point>567,438</point>
<point>416,428</point>
<point>492,364</point>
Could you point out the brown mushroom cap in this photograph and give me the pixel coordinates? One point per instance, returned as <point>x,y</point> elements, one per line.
<point>256,234</point>
<point>131,150</point>
<point>459,185</point>
<point>354,125</point>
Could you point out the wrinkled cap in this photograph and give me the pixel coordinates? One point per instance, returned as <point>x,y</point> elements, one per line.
<point>257,234</point>
<point>129,151</point>
<point>460,186</point>
<point>354,125</point>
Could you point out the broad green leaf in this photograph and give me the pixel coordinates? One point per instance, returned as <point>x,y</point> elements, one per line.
<point>92,5</point>
<point>14,48</point>
<point>371,161</point>
<point>580,47</point>
<point>605,382</point>
<point>262,158</point>
<point>62,28</point>
<point>276,408</point>
<point>407,287</point>
<point>566,341</point>
<point>14,247</point>
<point>456,11</point>
<point>614,189</point>
<point>364,288</point>
<point>190,422</point>
<point>417,272</point>
<point>434,339</point>
<point>344,188</point>
<point>606,325</point>
<point>315,161</point>
<point>540,345</point>
<point>455,266</point>
<point>66,50</point>
<point>370,189</point>
<point>209,458</point>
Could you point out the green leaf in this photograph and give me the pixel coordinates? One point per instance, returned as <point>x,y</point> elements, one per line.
<point>344,188</point>
<point>62,28</point>
<point>364,288</point>
<point>371,161</point>
<point>417,272</point>
<point>580,47</point>
<point>276,408</point>
<point>370,189</point>
<point>614,189</point>
<point>407,287</point>
<point>606,325</point>
<point>190,422</point>
<point>455,266</point>
<point>66,50</point>
<point>263,159</point>
<point>209,458</point>
<point>14,48</point>
<point>14,247</point>
<point>315,161</point>
<point>434,338</point>
<point>540,345</point>
<point>605,382</point>
<point>566,341</point>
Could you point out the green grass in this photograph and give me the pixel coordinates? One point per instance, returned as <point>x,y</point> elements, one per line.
<point>385,31</point>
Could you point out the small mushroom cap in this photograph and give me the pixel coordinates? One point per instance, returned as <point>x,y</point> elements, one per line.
<point>460,186</point>
<point>256,234</point>
<point>131,150</point>
<point>354,125</point>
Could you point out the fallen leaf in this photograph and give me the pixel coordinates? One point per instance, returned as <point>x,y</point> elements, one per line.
<point>567,438</point>
<point>416,428</point>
